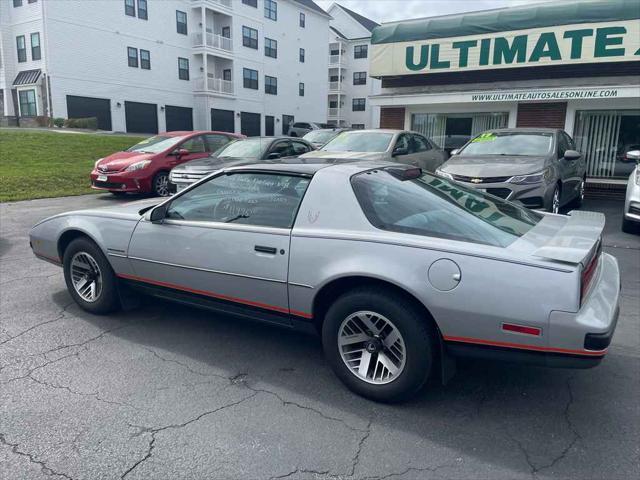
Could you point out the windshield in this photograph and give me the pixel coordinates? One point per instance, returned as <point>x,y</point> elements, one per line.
<point>319,136</point>
<point>359,142</point>
<point>434,207</point>
<point>156,144</point>
<point>249,148</point>
<point>527,144</point>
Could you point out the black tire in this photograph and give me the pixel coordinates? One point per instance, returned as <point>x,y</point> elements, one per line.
<point>418,335</point>
<point>556,190</point>
<point>117,194</point>
<point>160,184</point>
<point>108,300</point>
<point>579,200</point>
<point>629,226</point>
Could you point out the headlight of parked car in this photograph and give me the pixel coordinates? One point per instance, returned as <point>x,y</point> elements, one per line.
<point>138,165</point>
<point>95,165</point>
<point>446,175</point>
<point>532,178</point>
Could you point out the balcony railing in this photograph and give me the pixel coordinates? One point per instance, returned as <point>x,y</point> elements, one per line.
<point>336,59</point>
<point>335,86</point>
<point>333,112</point>
<point>212,40</point>
<point>216,85</point>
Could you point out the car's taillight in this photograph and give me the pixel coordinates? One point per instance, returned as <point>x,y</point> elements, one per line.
<point>589,271</point>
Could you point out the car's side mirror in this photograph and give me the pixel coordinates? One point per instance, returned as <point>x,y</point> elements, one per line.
<point>158,214</point>
<point>454,151</point>
<point>180,152</point>
<point>399,151</point>
<point>633,155</point>
<point>571,155</point>
<point>273,156</point>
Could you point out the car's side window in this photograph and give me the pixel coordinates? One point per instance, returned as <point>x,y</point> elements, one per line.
<point>420,144</point>
<point>403,142</point>
<point>299,148</point>
<point>214,142</point>
<point>283,149</point>
<point>194,145</point>
<point>261,199</point>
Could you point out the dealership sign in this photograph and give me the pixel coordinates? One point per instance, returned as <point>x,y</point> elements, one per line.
<point>567,44</point>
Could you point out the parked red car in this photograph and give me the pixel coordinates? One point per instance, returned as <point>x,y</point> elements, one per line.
<point>144,168</point>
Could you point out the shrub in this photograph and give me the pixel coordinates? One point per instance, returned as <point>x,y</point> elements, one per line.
<point>58,122</point>
<point>89,123</point>
<point>43,121</point>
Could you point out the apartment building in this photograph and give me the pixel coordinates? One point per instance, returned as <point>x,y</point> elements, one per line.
<point>249,66</point>
<point>349,83</point>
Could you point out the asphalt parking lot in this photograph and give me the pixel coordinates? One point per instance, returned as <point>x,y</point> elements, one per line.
<point>170,392</point>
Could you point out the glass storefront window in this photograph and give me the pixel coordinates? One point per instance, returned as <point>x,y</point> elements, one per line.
<point>453,130</point>
<point>605,137</point>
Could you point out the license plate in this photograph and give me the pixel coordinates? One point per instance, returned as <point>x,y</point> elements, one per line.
<point>102,178</point>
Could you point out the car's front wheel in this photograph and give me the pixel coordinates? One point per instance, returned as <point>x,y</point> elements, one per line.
<point>89,277</point>
<point>161,184</point>
<point>554,206</point>
<point>579,200</point>
<point>378,344</point>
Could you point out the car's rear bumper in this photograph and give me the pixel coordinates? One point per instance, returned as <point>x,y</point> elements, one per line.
<point>632,201</point>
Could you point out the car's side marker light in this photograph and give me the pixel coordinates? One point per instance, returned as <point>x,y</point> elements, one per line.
<point>512,327</point>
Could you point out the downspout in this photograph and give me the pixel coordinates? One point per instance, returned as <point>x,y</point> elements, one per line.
<point>46,58</point>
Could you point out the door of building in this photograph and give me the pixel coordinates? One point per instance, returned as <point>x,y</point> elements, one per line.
<point>222,120</point>
<point>250,124</point>
<point>178,118</point>
<point>87,107</point>
<point>269,127</point>
<point>141,117</point>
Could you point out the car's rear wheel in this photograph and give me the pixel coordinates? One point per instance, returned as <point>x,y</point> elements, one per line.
<point>89,277</point>
<point>577,203</point>
<point>161,184</point>
<point>378,344</point>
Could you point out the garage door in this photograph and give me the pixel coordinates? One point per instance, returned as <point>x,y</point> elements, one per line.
<point>86,107</point>
<point>250,124</point>
<point>178,118</point>
<point>141,117</point>
<point>222,120</point>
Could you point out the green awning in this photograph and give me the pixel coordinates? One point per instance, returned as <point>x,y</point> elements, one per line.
<point>507,19</point>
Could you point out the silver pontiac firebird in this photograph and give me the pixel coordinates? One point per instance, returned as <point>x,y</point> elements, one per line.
<point>399,270</point>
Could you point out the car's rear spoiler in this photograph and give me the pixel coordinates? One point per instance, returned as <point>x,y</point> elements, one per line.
<point>576,239</point>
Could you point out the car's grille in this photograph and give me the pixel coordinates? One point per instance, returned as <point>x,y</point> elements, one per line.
<point>107,184</point>
<point>499,192</point>
<point>107,170</point>
<point>187,177</point>
<point>462,178</point>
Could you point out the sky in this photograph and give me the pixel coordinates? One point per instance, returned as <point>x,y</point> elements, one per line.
<point>389,10</point>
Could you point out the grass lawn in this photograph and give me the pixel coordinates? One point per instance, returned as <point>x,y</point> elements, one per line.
<point>37,164</point>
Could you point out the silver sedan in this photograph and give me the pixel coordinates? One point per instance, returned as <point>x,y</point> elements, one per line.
<point>399,271</point>
<point>631,216</point>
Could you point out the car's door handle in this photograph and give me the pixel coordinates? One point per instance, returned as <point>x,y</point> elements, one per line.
<point>262,249</point>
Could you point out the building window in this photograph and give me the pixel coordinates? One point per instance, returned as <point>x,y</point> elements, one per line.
<point>183,68</point>
<point>129,8</point>
<point>250,37</point>
<point>358,104</point>
<point>181,22</point>
<point>303,20</point>
<point>226,74</point>
<point>27,103</point>
<point>360,51</point>
<point>17,3</point>
<point>270,85</point>
<point>132,56</point>
<point>301,89</point>
<point>270,48</point>
<point>36,53</point>
<point>226,32</point>
<point>301,55</point>
<point>251,3</point>
<point>359,78</point>
<point>142,10</point>
<point>33,1</point>
<point>145,59</point>
<point>333,104</point>
<point>250,78</point>
<point>358,126</point>
<point>270,9</point>
<point>22,49</point>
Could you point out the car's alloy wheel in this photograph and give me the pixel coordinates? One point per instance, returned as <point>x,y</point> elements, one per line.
<point>581,191</point>
<point>89,277</point>
<point>86,277</point>
<point>372,347</point>
<point>161,184</point>
<point>555,201</point>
